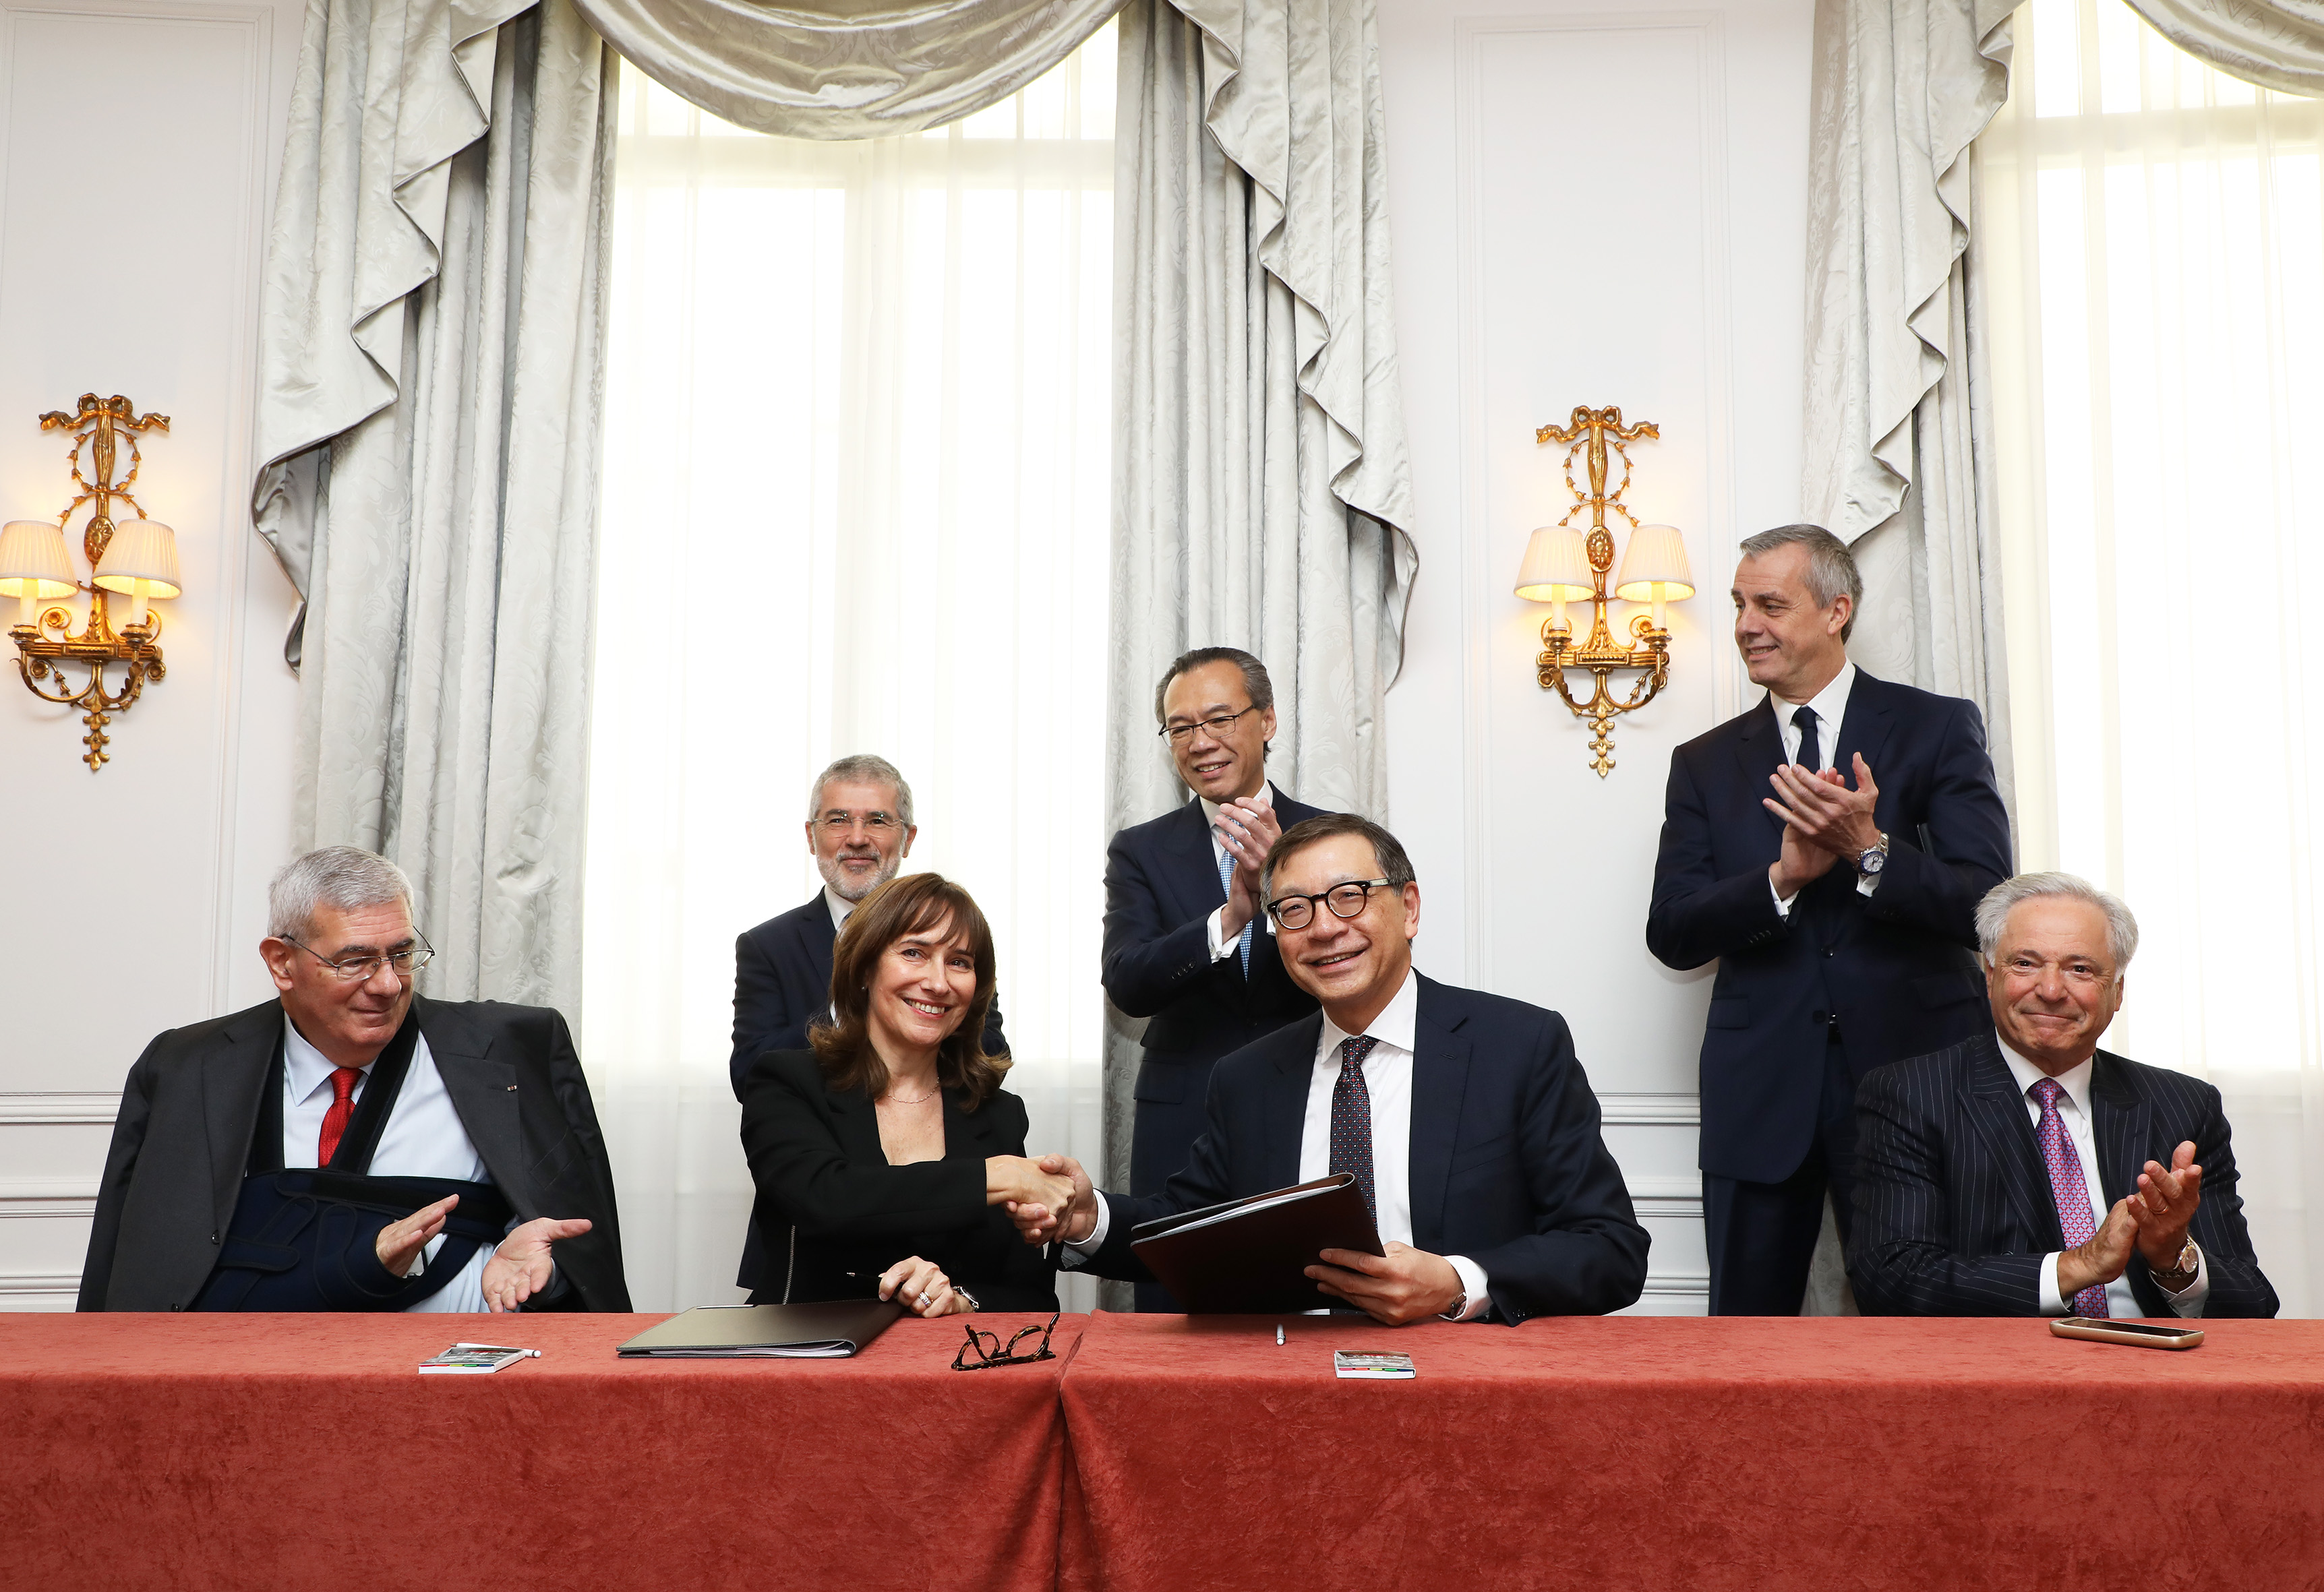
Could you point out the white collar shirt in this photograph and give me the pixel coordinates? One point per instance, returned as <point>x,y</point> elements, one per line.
<point>839,907</point>
<point>423,1136</point>
<point>1829,706</point>
<point>2074,1114</point>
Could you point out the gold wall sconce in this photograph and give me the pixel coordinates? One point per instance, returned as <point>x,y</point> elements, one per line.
<point>1563,564</point>
<point>135,558</point>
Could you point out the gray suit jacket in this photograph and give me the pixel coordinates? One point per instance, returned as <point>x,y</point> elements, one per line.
<point>191,1103</point>
<point>1953,1205</point>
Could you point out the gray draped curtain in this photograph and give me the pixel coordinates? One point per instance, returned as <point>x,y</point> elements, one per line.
<point>2276,43</point>
<point>1262,494</point>
<point>431,383</point>
<point>1898,456</point>
<point>844,69</point>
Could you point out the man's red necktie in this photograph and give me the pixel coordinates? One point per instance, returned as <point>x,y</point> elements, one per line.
<point>342,1109</point>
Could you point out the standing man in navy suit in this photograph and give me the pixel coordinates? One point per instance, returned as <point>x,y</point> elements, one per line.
<point>1185,944</point>
<point>859,830</point>
<point>1829,847</point>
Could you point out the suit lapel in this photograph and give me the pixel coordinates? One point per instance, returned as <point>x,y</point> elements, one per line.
<point>968,1135</point>
<point>1759,749</point>
<point>484,1092</point>
<point>232,1078</point>
<point>817,935</point>
<point>1283,1112</point>
<point>2118,1127</point>
<point>1871,714</point>
<point>1988,1098</point>
<point>1440,1078</point>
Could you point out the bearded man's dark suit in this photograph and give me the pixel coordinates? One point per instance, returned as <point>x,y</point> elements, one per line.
<point>1161,887</point>
<point>192,1101</point>
<point>1507,1166</point>
<point>1805,1006</point>
<point>783,983</point>
<point>1954,1205</point>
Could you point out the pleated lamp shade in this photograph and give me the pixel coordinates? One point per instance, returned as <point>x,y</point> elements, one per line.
<point>141,560</point>
<point>32,560</point>
<point>1653,567</point>
<point>1557,566</point>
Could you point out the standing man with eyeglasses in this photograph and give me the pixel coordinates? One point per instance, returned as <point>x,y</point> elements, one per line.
<point>1185,946</point>
<point>353,1145</point>
<point>858,830</point>
<point>1829,848</point>
<point>1464,1117</point>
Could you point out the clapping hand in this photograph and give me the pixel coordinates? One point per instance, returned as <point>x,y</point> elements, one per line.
<point>1822,810</point>
<point>2165,1204</point>
<point>1248,832</point>
<point>522,1265</point>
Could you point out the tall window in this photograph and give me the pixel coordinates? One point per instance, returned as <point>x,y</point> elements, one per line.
<point>2153,237</point>
<point>855,501</point>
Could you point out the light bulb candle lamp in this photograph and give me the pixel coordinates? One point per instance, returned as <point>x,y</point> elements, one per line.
<point>135,558</point>
<point>1563,564</point>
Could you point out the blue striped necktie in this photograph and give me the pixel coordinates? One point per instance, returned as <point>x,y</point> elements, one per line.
<point>1226,883</point>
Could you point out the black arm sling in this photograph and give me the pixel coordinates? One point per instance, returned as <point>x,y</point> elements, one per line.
<point>307,1239</point>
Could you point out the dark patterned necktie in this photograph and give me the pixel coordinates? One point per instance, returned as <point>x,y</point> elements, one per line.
<point>1351,1118</point>
<point>2069,1188</point>
<point>1810,756</point>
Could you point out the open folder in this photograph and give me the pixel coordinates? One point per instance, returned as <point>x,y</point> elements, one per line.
<point>766,1332</point>
<point>1250,1256</point>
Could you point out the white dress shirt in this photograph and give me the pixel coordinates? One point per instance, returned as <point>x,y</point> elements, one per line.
<point>840,907</point>
<point>422,1138</point>
<point>1387,1080</point>
<point>1829,706</point>
<point>2074,1112</point>
<point>1224,944</point>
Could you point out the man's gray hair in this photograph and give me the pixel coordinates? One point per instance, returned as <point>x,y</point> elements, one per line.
<point>1255,682</point>
<point>1993,912</point>
<point>1831,567</point>
<point>346,878</point>
<point>862,768</point>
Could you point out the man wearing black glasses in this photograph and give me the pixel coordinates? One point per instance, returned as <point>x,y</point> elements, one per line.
<point>1463,1116</point>
<point>353,1145</point>
<point>1185,945</point>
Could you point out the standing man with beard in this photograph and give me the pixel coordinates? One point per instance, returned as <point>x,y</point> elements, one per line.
<point>859,830</point>
<point>1185,946</point>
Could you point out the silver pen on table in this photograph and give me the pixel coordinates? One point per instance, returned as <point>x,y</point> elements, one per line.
<point>1278,1334</point>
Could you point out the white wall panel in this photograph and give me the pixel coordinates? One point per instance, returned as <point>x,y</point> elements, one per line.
<point>137,148</point>
<point>1589,207</point>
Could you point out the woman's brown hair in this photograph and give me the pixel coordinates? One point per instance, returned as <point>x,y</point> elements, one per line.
<point>911,903</point>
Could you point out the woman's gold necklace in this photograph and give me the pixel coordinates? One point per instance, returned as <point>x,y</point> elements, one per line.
<point>897,1099</point>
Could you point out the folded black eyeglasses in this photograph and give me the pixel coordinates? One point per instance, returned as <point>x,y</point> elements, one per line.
<point>985,1350</point>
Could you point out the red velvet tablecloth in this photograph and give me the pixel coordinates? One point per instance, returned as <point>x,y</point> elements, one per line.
<point>306,1451</point>
<point>1693,1455</point>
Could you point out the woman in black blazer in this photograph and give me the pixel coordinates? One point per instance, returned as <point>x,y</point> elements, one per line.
<point>887,1158</point>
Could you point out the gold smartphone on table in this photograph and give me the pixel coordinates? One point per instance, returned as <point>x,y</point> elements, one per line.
<point>2137,1332</point>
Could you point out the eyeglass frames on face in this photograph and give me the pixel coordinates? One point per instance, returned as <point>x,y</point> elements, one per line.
<point>404,963</point>
<point>837,822</point>
<point>1003,1355</point>
<point>1347,900</point>
<point>1214,727</point>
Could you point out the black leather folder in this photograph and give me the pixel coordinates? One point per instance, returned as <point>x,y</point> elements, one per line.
<point>765,1332</point>
<point>1250,1256</point>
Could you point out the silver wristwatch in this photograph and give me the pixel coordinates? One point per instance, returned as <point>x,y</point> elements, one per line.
<point>1873,859</point>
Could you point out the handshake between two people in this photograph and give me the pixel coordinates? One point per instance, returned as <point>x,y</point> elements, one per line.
<point>1054,1201</point>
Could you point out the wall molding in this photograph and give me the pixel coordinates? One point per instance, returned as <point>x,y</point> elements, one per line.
<point>63,1286</point>
<point>1678,1196</point>
<point>47,1196</point>
<point>1677,1285</point>
<point>56,1107</point>
<point>1650,1110</point>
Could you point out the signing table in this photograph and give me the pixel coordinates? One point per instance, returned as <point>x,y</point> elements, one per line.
<point>307,1451</point>
<point>1159,1453</point>
<point>1693,1455</point>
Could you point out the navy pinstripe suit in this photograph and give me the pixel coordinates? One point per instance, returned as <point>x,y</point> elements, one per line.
<point>1953,1206</point>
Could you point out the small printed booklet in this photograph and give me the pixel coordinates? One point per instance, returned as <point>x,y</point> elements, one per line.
<point>472,1359</point>
<point>1373,1364</point>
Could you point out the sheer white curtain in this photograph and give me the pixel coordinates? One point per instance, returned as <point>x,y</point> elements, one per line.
<point>855,501</point>
<point>2156,264</point>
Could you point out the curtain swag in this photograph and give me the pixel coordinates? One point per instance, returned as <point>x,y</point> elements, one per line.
<point>844,69</point>
<point>2277,44</point>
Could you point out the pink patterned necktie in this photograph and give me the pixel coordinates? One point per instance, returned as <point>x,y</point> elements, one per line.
<point>2068,1187</point>
<point>1352,1117</point>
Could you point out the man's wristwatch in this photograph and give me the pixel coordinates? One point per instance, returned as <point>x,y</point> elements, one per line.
<point>2180,1271</point>
<point>1873,859</point>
